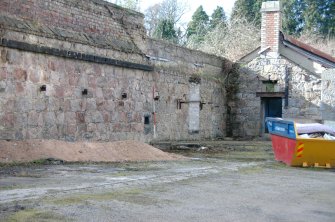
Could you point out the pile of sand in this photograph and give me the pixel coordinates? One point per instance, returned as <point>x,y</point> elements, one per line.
<point>30,150</point>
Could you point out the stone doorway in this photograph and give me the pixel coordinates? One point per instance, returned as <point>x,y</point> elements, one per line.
<point>271,107</point>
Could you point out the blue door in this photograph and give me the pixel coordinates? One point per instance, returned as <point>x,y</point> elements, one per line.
<point>272,108</point>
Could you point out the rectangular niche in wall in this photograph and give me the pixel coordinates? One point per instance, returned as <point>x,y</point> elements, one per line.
<point>147,125</point>
<point>194,109</point>
<point>146,120</point>
<point>269,85</point>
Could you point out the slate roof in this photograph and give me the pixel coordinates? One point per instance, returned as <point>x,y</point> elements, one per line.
<point>308,51</point>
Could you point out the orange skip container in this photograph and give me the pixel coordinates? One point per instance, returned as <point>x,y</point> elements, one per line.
<point>293,150</point>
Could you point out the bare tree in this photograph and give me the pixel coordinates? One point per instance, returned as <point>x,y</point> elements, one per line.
<point>152,18</point>
<point>173,10</point>
<point>131,4</point>
<point>325,44</point>
<point>233,41</point>
<point>170,10</point>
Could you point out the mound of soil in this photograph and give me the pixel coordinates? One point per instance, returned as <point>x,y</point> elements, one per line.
<point>30,150</point>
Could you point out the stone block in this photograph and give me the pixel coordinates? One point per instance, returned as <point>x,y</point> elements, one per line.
<point>76,105</point>
<point>7,120</point>
<point>92,82</point>
<point>137,127</point>
<point>107,117</point>
<point>91,127</point>
<point>94,117</point>
<point>34,133</point>
<point>3,86</point>
<point>80,117</point>
<point>59,91</point>
<point>20,74</point>
<point>23,104</point>
<point>34,119</point>
<point>71,129</point>
<point>60,117</point>
<point>99,93</point>
<point>10,88</point>
<point>13,57</point>
<point>19,88</point>
<point>102,128</point>
<point>7,134</point>
<point>70,118</point>
<point>49,119</point>
<point>100,102</point>
<point>20,135</point>
<point>40,105</point>
<point>91,104</point>
<point>21,120</point>
<point>50,132</point>
<point>33,76</point>
<point>3,73</point>
<point>53,104</point>
<point>73,79</point>
<point>109,105</point>
<point>9,105</point>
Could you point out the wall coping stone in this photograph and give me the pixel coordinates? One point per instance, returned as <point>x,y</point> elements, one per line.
<point>72,54</point>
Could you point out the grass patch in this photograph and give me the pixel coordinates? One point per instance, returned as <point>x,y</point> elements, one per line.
<point>121,174</point>
<point>135,196</point>
<point>23,173</point>
<point>251,170</point>
<point>47,161</point>
<point>11,187</point>
<point>32,215</point>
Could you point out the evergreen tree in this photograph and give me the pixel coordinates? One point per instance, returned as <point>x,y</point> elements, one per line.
<point>218,18</point>
<point>292,16</point>
<point>329,17</point>
<point>319,16</point>
<point>312,15</point>
<point>198,26</point>
<point>249,9</point>
<point>165,30</point>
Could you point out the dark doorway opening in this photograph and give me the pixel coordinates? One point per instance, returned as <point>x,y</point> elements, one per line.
<point>272,107</point>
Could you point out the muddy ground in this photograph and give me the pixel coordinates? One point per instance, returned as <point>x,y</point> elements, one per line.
<point>225,185</point>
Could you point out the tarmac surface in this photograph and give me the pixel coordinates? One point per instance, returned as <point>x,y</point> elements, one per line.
<point>224,185</point>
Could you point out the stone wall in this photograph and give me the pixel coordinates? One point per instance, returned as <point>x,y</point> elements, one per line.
<point>61,81</point>
<point>195,79</point>
<point>303,88</point>
<point>107,27</point>
<point>327,97</point>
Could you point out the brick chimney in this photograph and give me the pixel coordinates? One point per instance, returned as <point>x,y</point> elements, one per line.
<point>271,27</point>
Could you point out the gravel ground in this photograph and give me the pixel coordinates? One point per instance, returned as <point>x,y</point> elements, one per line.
<point>224,186</point>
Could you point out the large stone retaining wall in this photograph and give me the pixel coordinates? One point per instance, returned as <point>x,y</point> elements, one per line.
<point>194,79</point>
<point>84,70</point>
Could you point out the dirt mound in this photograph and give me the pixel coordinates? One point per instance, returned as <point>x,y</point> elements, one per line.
<point>30,150</point>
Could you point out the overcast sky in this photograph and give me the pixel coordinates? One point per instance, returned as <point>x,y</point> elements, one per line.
<point>208,5</point>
